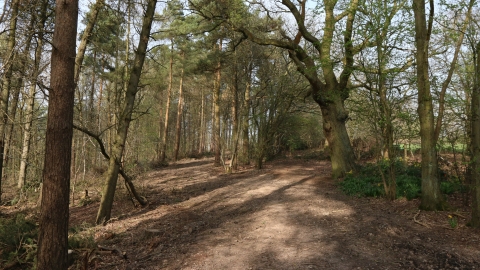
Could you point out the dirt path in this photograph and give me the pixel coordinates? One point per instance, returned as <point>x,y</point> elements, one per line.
<point>289,215</point>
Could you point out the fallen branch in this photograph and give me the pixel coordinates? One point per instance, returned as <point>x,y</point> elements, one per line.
<point>418,222</point>
<point>123,255</point>
<point>458,215</point>
<point>128,180</point>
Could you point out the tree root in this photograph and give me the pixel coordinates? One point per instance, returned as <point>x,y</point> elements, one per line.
<point>418,222</point>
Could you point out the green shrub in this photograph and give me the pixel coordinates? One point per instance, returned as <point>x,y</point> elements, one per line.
<point>368,181</point>
<point>18,237</point>
<point>81,237</point>
<point>451,186</point>
<point>362,186</point>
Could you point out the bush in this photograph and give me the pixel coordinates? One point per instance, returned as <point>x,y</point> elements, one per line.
<point>368,181</point>
<point>18,237</point>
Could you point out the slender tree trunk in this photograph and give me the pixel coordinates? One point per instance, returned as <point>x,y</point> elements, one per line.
<point>216,107</point>
<point>22,60</point>
<point>475,143</point>
<point>167,106</point>
<point>53,231</point>
<point>7,83</point>
<point>431,196</point>
<point>179,118</point>
<point>235,125</point>
<point>201,144</point>
<point>108,195</point>
<point>453,64</point>
<point>246,119</point>
<point>85,40</point>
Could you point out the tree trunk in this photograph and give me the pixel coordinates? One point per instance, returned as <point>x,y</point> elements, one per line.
<point>201,144</point>
<point>475,143</point>
<point>246,119</point>
<point>53,230</point>
<point>235,129</point>
<point>85,40</point>
<point>178,127</point>
<point>167,107</point>
<point>7,81</point>
<point>216,107</point>
<point>335,131</point>
<point>431,196</point>
<point>104,211</point>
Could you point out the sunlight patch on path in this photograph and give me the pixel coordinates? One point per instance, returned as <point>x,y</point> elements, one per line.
<point>275,232</point>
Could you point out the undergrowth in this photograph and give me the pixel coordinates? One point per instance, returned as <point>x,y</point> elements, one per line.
<point>18,241</point>
<point>368,181</point>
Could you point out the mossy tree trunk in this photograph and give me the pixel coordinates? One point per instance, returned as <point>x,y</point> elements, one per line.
<point>431,196</point>
<point>104,211</point>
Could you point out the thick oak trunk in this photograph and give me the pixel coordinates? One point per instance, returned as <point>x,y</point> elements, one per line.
<point>335,131</point>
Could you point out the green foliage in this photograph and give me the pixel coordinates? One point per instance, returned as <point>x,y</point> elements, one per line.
<point>18,239</point>
<point>452,186</point>
<point>81,237</point>
<point>452,221</point>
<point>302,131</point>
<point>368,181</point>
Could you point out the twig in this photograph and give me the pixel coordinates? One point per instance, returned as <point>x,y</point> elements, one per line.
<point>114,250</point>
<point>418,222</point>
<point>458,215</point>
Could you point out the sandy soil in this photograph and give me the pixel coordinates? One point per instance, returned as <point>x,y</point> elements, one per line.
<point>290,215</point>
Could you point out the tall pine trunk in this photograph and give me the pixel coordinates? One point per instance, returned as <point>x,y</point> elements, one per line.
<point>178,127</point>
<point>216,110</point>
<point>104,211</point>
<point>167,107</point>
<point>53,230</point>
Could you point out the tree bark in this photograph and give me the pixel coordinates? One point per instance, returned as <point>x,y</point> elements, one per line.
<point>85,40</point>
<point>167,107</point>
<point>475,143</point>
<point>246,118</point>
<point>178,127</point>
<point>7,83</point>
<point>431,196</point>
<point>216,108</point>
<point>104,211</point>
<point>53,231</point>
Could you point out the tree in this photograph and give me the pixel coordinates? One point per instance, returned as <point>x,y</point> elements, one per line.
<point>475,142</point>
<point>31,95</point>
<point>7,82</point>
<point>120,138</point>
<point>431,196</point>
<point>329,86</point>
<point>53,231</point>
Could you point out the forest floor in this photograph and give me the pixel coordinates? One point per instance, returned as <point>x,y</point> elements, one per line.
<point>289,215</point>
